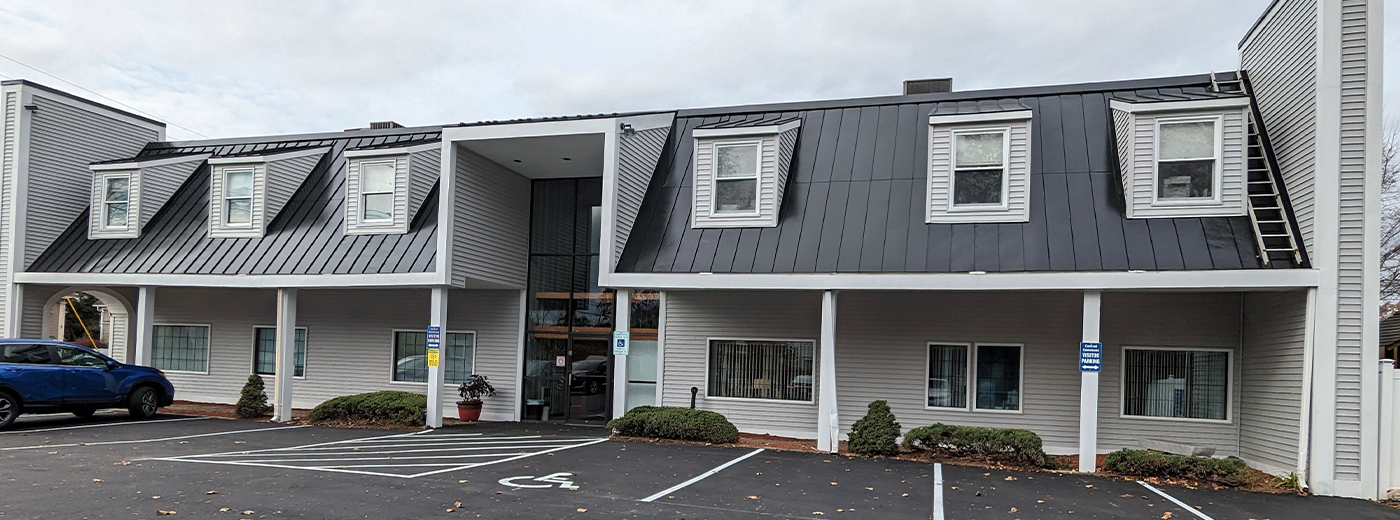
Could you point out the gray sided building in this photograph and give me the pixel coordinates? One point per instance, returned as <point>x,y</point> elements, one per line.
<point>1183,263</point>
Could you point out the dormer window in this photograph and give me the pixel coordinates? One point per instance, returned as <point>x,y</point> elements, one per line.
<point>736,177</point>
<point>1182,158</point>
<point>1187,159</point>
<point>116,201</point>
<point>979,167</point>
<point>741,172</point>
<point>238,196</point>
<point>377,191</point>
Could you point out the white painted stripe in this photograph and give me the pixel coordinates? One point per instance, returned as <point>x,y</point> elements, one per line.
<point>937,491</point>
<point>1175,501</point>
<point>515,458</point>
<point>141,441</point>
<point>439,457</point>
<point>385,452</point>
<point>304,445</point>
<point>701,476</point>
<point>16,432</point>
<point>279,466</point>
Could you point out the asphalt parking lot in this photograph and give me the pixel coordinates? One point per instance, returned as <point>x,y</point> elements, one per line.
<point>110,467</point>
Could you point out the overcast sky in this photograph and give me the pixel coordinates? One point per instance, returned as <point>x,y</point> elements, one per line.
<point>244,68</point>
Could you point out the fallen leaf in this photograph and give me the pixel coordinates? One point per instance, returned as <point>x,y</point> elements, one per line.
<point>1012,511</point>
<point>833,483</point>
<point>905,495</point>
<point>155,497</point>
<point>1088,485</point>
<point>753,497</point>
<point>463,481</point>
<point>1010,478</point>
<point>450,510</point>
<point>1040,501</point>
<point>223,510</point>
<point>97,480</point>
<point>979,493</point>
<point>248,512</point>
<point>817,513</point>
<point>162,512</point>
<point>457,505</point>
<point>986,474</point>
<point>1167,515</point>
<point>952,487</point>
<point>240,442</point>
<point>582,510</point>
<point>124,463</point>
<point>211,492</point>
<point>868,488</point>
<point>839,510</point>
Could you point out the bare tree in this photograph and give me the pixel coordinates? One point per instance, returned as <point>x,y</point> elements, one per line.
<point>1390,217</point>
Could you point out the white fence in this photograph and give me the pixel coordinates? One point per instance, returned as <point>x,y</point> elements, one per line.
<point>1390,430</point>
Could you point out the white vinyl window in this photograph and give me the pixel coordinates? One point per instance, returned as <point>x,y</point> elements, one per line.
<point>238,197</point>
<point>458,356</point>
<point>998,376</point>
<point>377,191</point>
<point>1188,159</point>
<point>116,201</point>
<point>265,352</point>
<point>979,179</point>
<point>761,369</point>
<point>180,348</point>
<point>947,375</point>
<point>736,170</point>
<point>1176,383</point>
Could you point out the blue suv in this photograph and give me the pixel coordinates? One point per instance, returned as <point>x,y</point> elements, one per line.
<point>41,376</point>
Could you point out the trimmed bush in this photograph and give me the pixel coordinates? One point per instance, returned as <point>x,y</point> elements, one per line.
<point>1002,444</point>
<point>875,433</point>
<point>387,407</point>
<point>682,424</point>
<point>1230,471</point>
<point>252,403</point>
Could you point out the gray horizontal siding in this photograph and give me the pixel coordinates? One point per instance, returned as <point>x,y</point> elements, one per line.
<point>692,317</point>
<point>492,222</point>
<point>423,171</point>
<point>9,157</point>
<point>940,177</point>
<point>1281,58</point>
<point>1275,326</point>
<point>284,177</point>
<point>1142,167</point>
<point>637,157</point>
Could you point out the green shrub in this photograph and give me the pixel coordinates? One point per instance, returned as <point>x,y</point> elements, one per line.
<point>387,407</point>
<point>875,433</point>
<point>683,424</point>
<point>1147,463</point>
<point>1003,444</point>
<point>252,403</point>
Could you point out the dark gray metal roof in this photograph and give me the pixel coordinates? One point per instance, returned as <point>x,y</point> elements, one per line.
<point>855,195</point>
<point>305,238</point>
<point>771,119</point>
<point>1390,330</point>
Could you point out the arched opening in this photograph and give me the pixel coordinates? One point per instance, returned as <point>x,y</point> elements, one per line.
<point>111,327</point>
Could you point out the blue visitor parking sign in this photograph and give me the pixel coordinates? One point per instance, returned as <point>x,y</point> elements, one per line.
<point>1090,357</point>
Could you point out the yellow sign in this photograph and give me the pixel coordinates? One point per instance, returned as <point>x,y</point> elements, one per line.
<point>432,357</point>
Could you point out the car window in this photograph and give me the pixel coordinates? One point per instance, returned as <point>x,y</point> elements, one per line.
<point>78,357</point>
<point>25,353</point>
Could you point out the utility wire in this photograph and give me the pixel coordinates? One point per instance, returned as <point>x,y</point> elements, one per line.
<point>113,101</point>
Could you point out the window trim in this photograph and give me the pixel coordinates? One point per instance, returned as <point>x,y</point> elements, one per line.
<point>715,145</point>
<point>1230,381</point>
<point>709,340</point>
<point>102,214</point>
<point>967,372</point>
<point>1020,381</point>
<point>1005,205</point>
<point>1217,177</point>
<point>393,363</point>
<point>360,194</point>
<point>253,361</point>
<point>208,347</point>
<point>224,198</point>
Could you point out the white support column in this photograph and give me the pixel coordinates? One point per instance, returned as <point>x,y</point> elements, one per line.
<point>285,355</point>
<point>437,317</point>
<point>622,323</point>
<point>1089,390</point>
<point>828,427</point>
<point>1389,474</point>
<point>145,320</point>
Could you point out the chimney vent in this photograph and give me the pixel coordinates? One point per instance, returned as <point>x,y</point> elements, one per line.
<point>384,125</point>
<point>927,86</point>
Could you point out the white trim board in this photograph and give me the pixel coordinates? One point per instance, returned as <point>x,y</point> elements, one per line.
<point>147,163</point>
<point>248,159</point>
<point>1163,106</point>
<point>702,133</point>
<point>1221,280</point>
<point>427,279</point>
<point>400,150</point>
<point>988,117</point>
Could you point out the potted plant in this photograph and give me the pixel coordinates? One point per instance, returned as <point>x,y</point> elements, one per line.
<point>476,387</point>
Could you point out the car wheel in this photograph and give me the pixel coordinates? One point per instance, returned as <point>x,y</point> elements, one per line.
<point>9,410</point>
<point>85,412</point>
<point>143,403</point>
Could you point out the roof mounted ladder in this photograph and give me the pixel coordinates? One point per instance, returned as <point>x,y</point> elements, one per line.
<point>1274,231</point>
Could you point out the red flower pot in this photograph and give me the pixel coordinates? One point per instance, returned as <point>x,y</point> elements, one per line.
<point>469,411</point>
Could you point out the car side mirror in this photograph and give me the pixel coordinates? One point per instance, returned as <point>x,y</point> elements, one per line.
<point>112,365</point>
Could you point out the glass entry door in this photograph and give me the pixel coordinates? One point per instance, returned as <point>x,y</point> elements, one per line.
<point>590,377</point>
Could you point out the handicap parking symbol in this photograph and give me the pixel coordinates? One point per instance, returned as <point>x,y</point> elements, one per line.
<point>547,481</point>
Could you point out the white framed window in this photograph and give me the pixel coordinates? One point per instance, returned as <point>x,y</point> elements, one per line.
<point>180,348</point>
<point>1188,158</point>
<point>769,370</point>
<point>1188,384</point>
<point>736,177</point>
<point>238,197</point>
<point>946,375</point>
<point>998,378</point>
<point>265,352</point>
<point>116,201</point>
<point>458,356</point>
<point>377,191</point>
<point>980,180</point>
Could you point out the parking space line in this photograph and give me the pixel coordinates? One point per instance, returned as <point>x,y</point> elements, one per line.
<point>142,441</point>
<point>701,476</point>
<point>512,459</point>
<point>937,491</point>
<point>79,427</point>
<point>1175,501</point>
